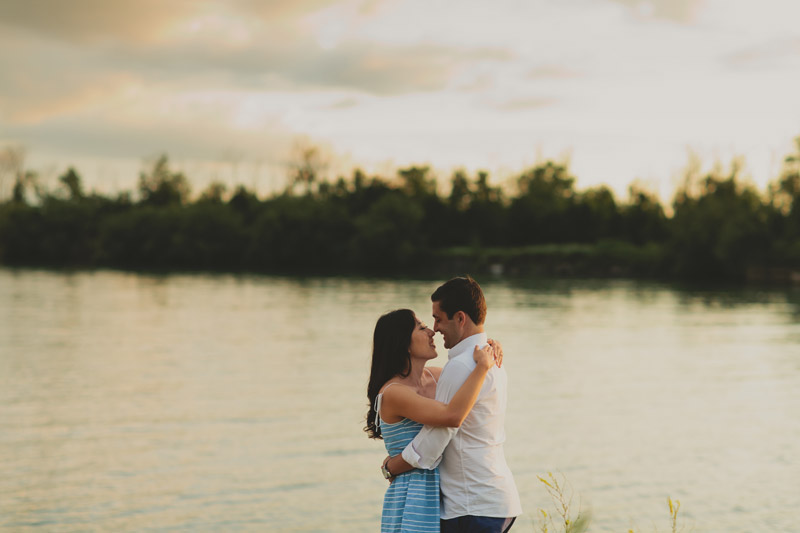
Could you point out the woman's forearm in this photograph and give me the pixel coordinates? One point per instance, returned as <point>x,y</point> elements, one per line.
<point>463,400</point>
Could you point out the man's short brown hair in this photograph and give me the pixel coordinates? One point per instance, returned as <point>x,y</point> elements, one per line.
<point>461,294</point>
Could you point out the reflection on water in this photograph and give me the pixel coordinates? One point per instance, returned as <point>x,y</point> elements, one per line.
<point>222,403</point>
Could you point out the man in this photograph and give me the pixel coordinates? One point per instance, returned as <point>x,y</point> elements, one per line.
<point>478,490</point>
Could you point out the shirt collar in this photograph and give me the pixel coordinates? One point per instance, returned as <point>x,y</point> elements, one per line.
<point>468,344</point>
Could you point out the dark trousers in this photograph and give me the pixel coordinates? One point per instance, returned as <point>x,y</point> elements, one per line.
<point>476,524</point>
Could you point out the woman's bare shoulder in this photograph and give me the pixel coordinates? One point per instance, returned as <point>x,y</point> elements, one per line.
<point>388,385</point>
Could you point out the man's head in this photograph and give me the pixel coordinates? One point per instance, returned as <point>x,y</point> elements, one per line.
<point>459,310</point>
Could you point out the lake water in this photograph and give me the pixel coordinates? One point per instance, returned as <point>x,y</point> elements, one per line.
<point>236,403</point>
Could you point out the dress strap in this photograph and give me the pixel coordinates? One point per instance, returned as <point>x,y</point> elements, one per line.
<point>431,373</point>
<point>378,404</point>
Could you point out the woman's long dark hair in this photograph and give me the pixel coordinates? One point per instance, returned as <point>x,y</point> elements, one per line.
<point>390,357</point>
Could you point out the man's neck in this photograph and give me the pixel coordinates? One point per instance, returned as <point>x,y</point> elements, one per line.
<point>470,330</point>
<point>458,349</point>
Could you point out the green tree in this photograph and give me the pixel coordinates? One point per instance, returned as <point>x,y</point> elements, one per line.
<point>486,216</point>
<point>18,192</point>
<point>594,216</point>
<point>71,180</point>
<point>388,235</point>
<point>460,193</point>
<point>214,193</point>
<point>485,192</point>
<point>306,168</point>
<point>785,193</point>
<point>643,218</point>
<point>720,231</point>
<point>416,183</point>
<point>24,181</point>
<point>211,236</point>
<point>162,187</point>
<point>300,234</point>
<point>246,203</point>
<point>540,212</point>
<point>784,220</point>
<point>366,191</point>
<point>12,165</point>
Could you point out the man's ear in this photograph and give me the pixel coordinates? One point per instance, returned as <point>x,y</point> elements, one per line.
<point>461,316</point>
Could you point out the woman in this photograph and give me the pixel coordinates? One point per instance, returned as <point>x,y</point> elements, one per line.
<point>401,391</point>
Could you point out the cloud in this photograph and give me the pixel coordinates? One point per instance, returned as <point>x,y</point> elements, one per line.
<point>385,69</point>
<point>249,44</point>
<point>302,65</point>
<point>344,103</point>
<point>551,72</point>
<point>87,21</point>
<point>523,104</point>
<point>784,51</point>
<point>37,106</point>
<point>42,80</point>
<point>206,137</point>
<point>104,78</point>
<point>282,10</point>
<point>683,11</point>
<point>196,77</point>
<point>143,21</point>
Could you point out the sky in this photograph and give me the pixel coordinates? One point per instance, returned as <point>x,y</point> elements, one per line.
<point>624,90</point>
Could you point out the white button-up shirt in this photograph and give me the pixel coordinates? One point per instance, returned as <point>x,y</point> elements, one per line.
<point>475,479</point>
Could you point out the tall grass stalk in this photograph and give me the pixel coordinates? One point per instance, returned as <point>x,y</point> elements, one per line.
<point>673,512</point>
<point>561,521</point>
<point>562,495</point>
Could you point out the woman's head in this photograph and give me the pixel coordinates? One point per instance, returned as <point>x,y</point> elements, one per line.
<point>391,356</point>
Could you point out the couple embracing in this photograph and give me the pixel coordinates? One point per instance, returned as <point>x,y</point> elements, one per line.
<point>442,427</point>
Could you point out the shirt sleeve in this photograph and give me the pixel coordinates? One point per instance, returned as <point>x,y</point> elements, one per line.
<point>426,450</point>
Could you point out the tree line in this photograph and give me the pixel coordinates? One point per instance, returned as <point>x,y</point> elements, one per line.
<point>719,226</point>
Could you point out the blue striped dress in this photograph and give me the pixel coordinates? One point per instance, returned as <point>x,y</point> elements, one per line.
<point>411,503</point>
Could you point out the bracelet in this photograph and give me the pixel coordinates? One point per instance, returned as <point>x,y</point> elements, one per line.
<point>385,470</point>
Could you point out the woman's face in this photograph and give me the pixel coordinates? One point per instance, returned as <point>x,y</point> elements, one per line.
<point>422,342</point>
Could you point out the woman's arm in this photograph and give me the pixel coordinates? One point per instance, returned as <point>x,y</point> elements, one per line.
<point>498,352</point>
<point>405,402</point>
